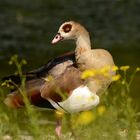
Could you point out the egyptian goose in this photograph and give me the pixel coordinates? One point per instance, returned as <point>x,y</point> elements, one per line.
<point>81,94</point>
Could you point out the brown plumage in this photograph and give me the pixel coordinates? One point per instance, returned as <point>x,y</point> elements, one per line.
<point>35,80</point>
<point>15,98</point>
<point>64,84</point>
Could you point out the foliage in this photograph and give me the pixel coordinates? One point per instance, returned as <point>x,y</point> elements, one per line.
<point>115,118</point>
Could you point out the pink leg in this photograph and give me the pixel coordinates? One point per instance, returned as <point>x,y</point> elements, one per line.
<point>59,116</point>
<point>58,128</point>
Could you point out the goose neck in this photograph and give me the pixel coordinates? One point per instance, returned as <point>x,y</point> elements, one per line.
<point>83,41</point>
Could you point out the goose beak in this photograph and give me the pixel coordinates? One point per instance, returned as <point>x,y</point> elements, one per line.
<point>57,38</point>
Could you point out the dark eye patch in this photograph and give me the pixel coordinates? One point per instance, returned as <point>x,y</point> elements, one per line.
<point>67,28</point>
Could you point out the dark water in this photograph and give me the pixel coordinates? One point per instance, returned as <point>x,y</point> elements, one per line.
<point>27,27</point>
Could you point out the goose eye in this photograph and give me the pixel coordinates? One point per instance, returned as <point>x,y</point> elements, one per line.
<point>67,28</point>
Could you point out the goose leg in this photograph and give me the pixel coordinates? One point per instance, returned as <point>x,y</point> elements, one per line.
<point>58,128</point>
<point>59,116</point>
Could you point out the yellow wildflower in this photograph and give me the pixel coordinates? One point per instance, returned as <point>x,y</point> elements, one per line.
<point>105,71</point>
<point>49,78</point>
<point>123,82</point>
<point>3,84</point>
<point>24,62</point>
<point>138,69</point>
<point>88,73</point>
<point>10,62</point>
<point>101,110</point>
<point>59,114</point>
<point>90,99</point>
<point>116,77</point>
<point>85,118</point>
<point>115,68</point>
<point>124,68</point>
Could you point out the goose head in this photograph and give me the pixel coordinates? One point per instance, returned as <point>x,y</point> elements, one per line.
<point>69,31</point>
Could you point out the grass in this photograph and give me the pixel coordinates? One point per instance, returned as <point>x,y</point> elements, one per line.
<point>115,118</point>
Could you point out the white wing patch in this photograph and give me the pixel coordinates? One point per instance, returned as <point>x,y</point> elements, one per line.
<point>81,99</point>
